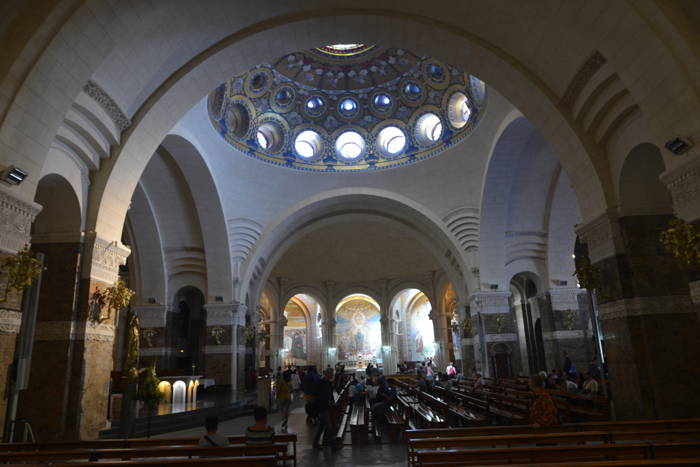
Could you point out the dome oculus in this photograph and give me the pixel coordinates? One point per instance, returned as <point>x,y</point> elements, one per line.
<point>385,107</point>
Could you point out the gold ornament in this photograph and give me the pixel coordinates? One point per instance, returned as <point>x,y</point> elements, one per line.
<point>682,240</point>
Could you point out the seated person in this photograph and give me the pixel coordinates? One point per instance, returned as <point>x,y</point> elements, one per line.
<point>422,385</point>
<point>479,383</point>
<point>357,390</point>
<point>590,385</point>
<point>384,398</point>
<point>543,411</point>
<point>212,438</point>
<point>260,432</point>
<point>568,385</point>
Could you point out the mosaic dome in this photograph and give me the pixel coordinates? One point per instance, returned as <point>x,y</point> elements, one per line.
<point>347,107</point>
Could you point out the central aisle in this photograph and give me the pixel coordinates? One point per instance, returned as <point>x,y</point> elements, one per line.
<point>374,454</point>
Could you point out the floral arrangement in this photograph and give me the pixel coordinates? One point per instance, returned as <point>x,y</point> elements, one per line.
<point>500,321</point>
<point>682,240</point>
<point>467,326</point>
<point>148,335</point>
<point>588,275</point>
<point>21,270</point>
<point>148,387</point>
<point>217,332</point>
<point>249,333</point>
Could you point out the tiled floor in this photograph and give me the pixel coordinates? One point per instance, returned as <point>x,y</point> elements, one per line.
<point>374,453</point>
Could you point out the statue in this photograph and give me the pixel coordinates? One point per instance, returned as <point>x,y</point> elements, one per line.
<point>133,345</point>
<point>419,343</point>
<point>298,346</point>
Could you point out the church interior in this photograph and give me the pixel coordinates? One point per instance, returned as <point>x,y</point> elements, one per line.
<point>395,233</point>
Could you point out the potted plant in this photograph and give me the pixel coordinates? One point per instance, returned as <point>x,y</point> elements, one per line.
<point>149,394</point>
<point>21,270</point>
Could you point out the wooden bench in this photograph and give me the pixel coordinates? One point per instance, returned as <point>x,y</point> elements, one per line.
<point>276,449</point>
<point>526,455</point>
<point>396,423</point>
<point>358,423</point>
<point>248,461</point>
<point>618,463</point>
<point>289,438</point>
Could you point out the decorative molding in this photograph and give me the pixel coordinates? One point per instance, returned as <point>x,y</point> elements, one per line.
<point>151,316</point>
<point>489,302</point>
<point>603,237</point>
<point>563,334</point>
<point>10,321</point>
<point>505,337</point>
<point>243,235</point>
<point>99,95</point>
<point>105,258</point>
<point>68,330</point>
<point>647,306</point>
<point>16,217</point>
<point>565,298</point>
<point>684,184</point>
<point>156,351</point>
<point>225,314</point>
<point>581,78</point>
<point>464,224</point>
<point>218,349</point>
<point>58,237</point>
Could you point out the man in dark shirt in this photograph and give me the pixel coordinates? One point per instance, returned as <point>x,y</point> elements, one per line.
<point>323,402</point>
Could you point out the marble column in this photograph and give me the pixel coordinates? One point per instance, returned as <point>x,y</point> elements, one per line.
<point>154,349</point>
<point>220,343</point>
<point>442,338</point>
<point>16,217</point>
<point>649,323</point>
<point>566,327</point>
<point>497,336</point>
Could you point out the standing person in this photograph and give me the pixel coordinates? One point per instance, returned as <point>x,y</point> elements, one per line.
<point>323,402</point>
<point>543,412</point>
<point>429,372</point>
<point>568,365</point>
<point>310,385</point>
<point>284,398</point>
<point>450,370</point>
<point>590,385</point>
<point>296,384</point>
<point>212,438</point>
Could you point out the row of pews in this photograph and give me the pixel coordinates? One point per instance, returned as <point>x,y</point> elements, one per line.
<point>648,442</point>
<point>152,451</point>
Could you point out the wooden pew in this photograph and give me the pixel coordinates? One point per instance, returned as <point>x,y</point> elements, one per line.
<point>289,438</point>
<point>618,463</point>
<point>248,461</point>
<point>276,449</point>
<point>525,455</point>
<point>358,423</point>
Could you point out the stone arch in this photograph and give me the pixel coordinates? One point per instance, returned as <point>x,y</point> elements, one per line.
<point>199,75</point>
<point>207,202</point>
<point>189,327</point>
<point>60,219</point>
<point>382,205</point>
<point>640,190</point>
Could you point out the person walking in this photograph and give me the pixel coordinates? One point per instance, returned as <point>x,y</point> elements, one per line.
<point>323,403</point>
<point>284,398</point>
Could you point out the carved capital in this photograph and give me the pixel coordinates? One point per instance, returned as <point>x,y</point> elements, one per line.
<point>104,258</point>
<point>603,237</point>
<point>645,306</point>
<point>151,316</point>
<point>10,321</point>
<point>684,184</point>
<point>565,298</point>
<point>489,302</point>
<point>16,217</point>
<point>219,314</point>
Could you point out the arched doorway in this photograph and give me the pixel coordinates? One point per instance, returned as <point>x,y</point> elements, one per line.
<point>358,331</point>
<point>296,333</point>
<point>415,327</point>
<point>188,330</point>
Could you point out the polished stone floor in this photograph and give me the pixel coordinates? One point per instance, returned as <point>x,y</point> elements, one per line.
<point>375,453</point>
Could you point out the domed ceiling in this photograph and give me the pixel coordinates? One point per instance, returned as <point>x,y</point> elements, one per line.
<point>347,107</point>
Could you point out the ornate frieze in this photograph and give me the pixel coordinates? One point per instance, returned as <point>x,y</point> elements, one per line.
<point>104,258</point>
<point>225,314</point>
<point>68,330</point>
<point>151,316</point>
<point>16,217</point>
<point>505,337</point>
<point>645,306</point>
<point>156,351</point>
<point>218,349</point>
<point>563,334</point>
<point>603,237</point>
<point>10,321</point>
<point>99,95</point>
<point>489,302</point>
<point>684,184</point>
<point>565,299</point>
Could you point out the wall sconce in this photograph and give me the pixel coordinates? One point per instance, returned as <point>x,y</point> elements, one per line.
<point>332,350</point>
<point>13,175</point>
<point>386,348</point>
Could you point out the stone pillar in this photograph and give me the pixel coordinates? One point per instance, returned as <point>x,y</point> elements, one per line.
<point>220,343</point>
<point>649,323</point>
<point>153,321</point>
<point>497,334</point>
<point>277,340</point>
<point>389,354</point>
<point>442,338</point>
<point>566,327</point>
<point>16,217</point>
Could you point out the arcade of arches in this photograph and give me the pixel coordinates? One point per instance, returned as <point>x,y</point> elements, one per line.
<point>420,189</point>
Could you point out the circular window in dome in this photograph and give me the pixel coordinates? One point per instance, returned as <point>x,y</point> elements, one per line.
<point>458,110</point>
<point>391,141</point>
<point>428,129</point>
<point>269,137</point>
<point>411,90</point>
<point>435,72</point>
<point>382,103</point>
<point>259,81</point>
<point>308,144</point>
<point>315,106</point>
<point>350,145</point>
<point>348,107</point>
<point>238,120</point>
